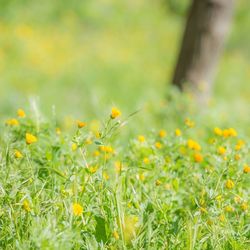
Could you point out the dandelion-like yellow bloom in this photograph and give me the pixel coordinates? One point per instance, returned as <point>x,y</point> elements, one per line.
<point>21,113</point>
<point>141,138</point>
<point>118,166</point>
<point>193,145</point>
<point>158,145</point>
<point>107,149</point>
<point>246,169</point>
<point>146,160</point>
<point>244,206</point>
<point>77,209</point>
<point>198,157</point>
<point>58,131</point>
<point>30,138</point>
<point>18,154</point>
<point>26,206</point>
<point>80,124</point>
<point>105,176</point>
<point>178,132</point>
<point>221,150</point>
<point>96,153</point>
<point>116,235</point>
<point>189,123</point>
<point>12,122</point>
<point>229,209</point>
<point>74,147</point>
<point>237,157</point>
<point>92,170</point>
<point>218,131</point>
<point>115,113</point>
<point>162,133</point>
<point>239,145</point>
<point>229,184</point>
<point>158,182</point>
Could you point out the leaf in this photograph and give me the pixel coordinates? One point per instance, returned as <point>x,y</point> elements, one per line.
<point>100,229</point>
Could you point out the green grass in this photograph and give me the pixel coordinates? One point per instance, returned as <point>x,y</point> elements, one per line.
<point>66,61</point>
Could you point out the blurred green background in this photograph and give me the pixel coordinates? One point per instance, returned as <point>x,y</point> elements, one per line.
<point>85,56</point>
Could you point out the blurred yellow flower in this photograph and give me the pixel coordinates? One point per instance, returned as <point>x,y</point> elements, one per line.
<point>158,145</point>
<point>115,113</point>
<point>193,145</point>
<point>30,138</point>
<point>178,132</point>
<point>74,147</point>
<point>229,184</point>
<point>21,113</point>
<point>18,154</point>
<point>12,122</point>
<point>221,150</point>
<point>118,166</point>
<point>246,169</point>
<point>244,206</point>
<point>26,206</point>
<point>162,133</point>
<point>80,124</point>
<point>116,235</point>
<point>92,170</point>
<point>146,160</point>
<point>218,131</point>
<point>141,138</point>
<point>105,176</point>
<point>198,157</point>
<point>77,209</point>
<point>189,123</point>
<point>58,131</point>
<point>229,209</point>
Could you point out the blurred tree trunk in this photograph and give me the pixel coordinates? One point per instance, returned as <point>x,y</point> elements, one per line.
<point>206,28</point>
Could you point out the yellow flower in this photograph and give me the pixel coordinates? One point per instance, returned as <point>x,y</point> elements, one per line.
<point>80,124</point>
<point>221,150</point>
<point>229,184</point>
<point>193,145</point>
<point>218,131</point>
<point>18,154</point>
<point>146,160</point>
<point>178,132</point>
<point>244,206</point>
<point>141,177</point>
<point>92,170</point>
<point>21,113</point>
<point>158,182</point>
<point>218,197</point>
<point>74,146</point>
<point>88,141</point>
<point>189,123</point>
<point>12,122</point>
<point>30,138</point>
<point>239,145</point>
<point>198,157</point>
<point>232,132</point>
<point>222,218</point>
<point>116,235</point>
<point>107,149</point>
<point>237,157</point>
<point>105,176</point>
<point>158,145</point>
<point>246,169</point>
<point>162,133</point>
<point>141,138</point>
<point>237,199</point>
<point>115,113</point>
<point>118,166</point>
<point>77,209</point>
<point>26,206</point>
<point>96,153</point>
<point>229,209</point>
<point>58,131</point>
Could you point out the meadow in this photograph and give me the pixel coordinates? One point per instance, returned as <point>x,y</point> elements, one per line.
<point>98,151</point>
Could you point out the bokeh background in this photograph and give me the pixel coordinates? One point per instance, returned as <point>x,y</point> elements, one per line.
<point>82,57</point>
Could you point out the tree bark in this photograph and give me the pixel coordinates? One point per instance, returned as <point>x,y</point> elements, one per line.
<point>207,24</point>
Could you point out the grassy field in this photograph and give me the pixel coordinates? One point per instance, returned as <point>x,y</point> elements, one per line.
<point>77,174</point>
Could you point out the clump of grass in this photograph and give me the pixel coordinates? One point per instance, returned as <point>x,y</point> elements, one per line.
<point>83,190</point>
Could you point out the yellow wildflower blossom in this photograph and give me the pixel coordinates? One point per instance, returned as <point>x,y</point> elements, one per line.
<point>221,150</point>
<point>141,138</point>
<point>115,113</point>
<point>26,206</point>
<point>193,145</point>
<point>189,123</point>
<point>21,113</point>
<point>198,157</point>
<point>244,206</point>
<point>229,184</point>
<point>77,209</point>
<point>218,131</point>
<point>118,166</point>
<point>12,122</point>
<point>30,138</point>
<point>116,235</point>
<point>18,154</point>
<point>74,146</point>
<point>162,133</point>
<point>178,132</point>
<point>80,124</point>
<point>105,176</point>
<point>146,160</point>
<point>246,169</point>
<point>158,145</point>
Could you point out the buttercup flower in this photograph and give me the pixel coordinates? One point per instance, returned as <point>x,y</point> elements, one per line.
<point>26,206</point>
<point>18,154</point>
<point>229,184</point>
<point>141,138</point>
<point>218,131</point>
<point>12,122</point>
<point>221,150</point>
<point>81,124</point>
<point>246,169</point>
<point>198,157</point>
<point>158,145</point>
<point>162,133</point>
<point>74,147</point>
<point>77,209</point>
<point>30,138</point>
<point>21,113</point>
<point>115,113</point>
<point>178,132</point>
